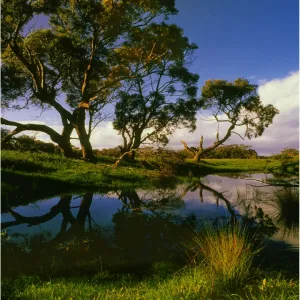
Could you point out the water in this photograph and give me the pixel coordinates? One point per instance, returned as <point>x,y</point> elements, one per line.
<point>128,228</point>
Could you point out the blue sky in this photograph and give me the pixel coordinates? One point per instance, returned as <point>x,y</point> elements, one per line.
<point>257,40</point>
<point>242,38</point>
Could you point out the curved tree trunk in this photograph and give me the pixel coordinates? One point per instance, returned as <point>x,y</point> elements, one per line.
<point>63,140</point>
<point>198,153</point>
<point>61,207</point>
<point>136,144</point>
<point>79,122</point>
<point>197,157</point>
<point>65,144</point>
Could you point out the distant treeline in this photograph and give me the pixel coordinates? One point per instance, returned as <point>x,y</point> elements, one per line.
<point>229,151</point>
<point>30,143</point>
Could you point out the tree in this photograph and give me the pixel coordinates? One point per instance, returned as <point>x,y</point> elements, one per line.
<point>236,103</point>
<point>160,94</point>
<point>73,59</point>
<point>26,73</point>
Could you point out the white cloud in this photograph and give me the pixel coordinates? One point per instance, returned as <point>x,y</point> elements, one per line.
<point>104,136</point>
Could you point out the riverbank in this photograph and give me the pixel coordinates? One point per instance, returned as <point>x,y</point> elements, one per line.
<point>220,264</point>
<point>102,173</point>
<point>87,267</point>
<point>33,175</point>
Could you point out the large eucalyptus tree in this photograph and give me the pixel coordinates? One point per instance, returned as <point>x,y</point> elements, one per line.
<point>160,95</point>
<point>71,65</point>
<point>237,104</point>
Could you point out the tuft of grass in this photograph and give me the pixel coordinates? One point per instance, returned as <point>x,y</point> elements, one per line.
<point>227,251</point>
<point>286,202</point>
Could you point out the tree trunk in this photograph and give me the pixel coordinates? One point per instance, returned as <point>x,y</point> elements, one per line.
<point>65,143</point>
<point>79,226</point>
<point>87,150</point>
<point>62,140</point>
<point>66,148</point>
<point>197,157</point>
<point>132,157</point>
<point>136,144</point>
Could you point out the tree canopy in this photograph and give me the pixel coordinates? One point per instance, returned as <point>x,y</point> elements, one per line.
<point>160,95</point>
<point>71,64</point>
<point>238,104</point>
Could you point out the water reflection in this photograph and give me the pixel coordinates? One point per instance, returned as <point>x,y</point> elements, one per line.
<point>130,228</point>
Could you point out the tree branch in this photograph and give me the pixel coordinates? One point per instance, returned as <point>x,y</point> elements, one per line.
<point>55,137</point>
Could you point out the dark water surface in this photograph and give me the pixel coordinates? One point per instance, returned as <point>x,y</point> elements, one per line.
<point>133,227</point>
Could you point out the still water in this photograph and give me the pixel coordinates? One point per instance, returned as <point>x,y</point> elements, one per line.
<point>134,226</point>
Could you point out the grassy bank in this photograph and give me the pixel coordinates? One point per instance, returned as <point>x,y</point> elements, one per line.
<point>221,269</point>
<point>28,176</point>
<point>27,166</point>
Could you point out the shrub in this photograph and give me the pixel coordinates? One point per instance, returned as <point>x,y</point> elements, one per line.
<point>114,152</point>
<point>232,151</point>
<point>27,143</point>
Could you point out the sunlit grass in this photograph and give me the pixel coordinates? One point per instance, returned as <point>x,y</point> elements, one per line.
<point>222,269</point>
<point>189,283</point>
<point>227,251</point>
<point>34,175</point>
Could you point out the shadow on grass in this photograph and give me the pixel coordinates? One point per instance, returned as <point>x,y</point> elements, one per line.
<point>187,168</point>
<point>26,166</point>
<point>20,189</point>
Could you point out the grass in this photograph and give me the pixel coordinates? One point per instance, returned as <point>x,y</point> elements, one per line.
<point>227,251</point>
<point>286,202</point>
<point>164,282</point>
<point>35,168</point>
<point>223,269</point>
<point>28,176</point>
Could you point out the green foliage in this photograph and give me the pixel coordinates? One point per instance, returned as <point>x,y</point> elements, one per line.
<point>292,152</point>
<point>241,104</point>
<point>27,143</point>
<point>228,151</point>
<point>289,163</point>
<point>286,154</point>
<point>189,283</point>
<point>113,152</point>
<point>236,103</point>
<point>160,95</point>
<point>75,57</point>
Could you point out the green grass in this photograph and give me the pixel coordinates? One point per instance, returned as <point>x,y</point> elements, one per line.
<point>236,165</point>
<point>35,175</point>
<point>188,283</point>
<point>225,270</point>
<point>227,251</point>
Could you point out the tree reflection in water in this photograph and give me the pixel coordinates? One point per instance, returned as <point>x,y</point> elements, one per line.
<point>143,233</point>
<point>145,230</point>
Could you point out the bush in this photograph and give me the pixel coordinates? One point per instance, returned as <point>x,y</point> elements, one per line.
<point>229,151</point>
<point>114,152</point>
<point>27,143</point>
<point>232,151</point>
